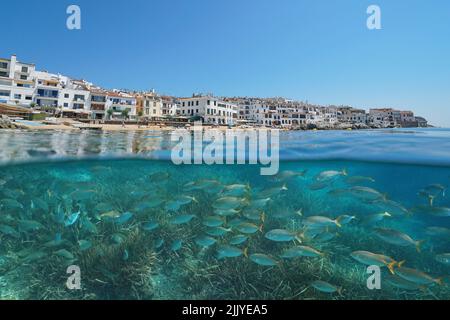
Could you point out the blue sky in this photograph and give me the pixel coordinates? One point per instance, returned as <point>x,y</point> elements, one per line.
<point>315,50</point>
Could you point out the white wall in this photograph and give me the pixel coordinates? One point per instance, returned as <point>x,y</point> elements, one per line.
<point>220,112</point>
<point>66,98</point>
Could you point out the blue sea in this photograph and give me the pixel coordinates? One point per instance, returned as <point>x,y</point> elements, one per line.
<point>138,226</point>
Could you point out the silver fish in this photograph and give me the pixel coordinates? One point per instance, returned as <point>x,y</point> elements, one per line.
<point>325,287</point>
<point>263,259</point>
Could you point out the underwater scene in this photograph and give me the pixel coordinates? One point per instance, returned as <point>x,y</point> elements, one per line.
<point>140,227</point>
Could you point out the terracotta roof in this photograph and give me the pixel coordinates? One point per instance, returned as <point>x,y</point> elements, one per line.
<point>113,94</point>
<point>119,95</point>
<point>99,92</point>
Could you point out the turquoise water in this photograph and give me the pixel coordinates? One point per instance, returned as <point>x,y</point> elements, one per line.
<point>140,227</point>
<point>30,123</point>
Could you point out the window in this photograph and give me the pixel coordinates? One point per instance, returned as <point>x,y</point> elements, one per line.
<point>98,98</point>
<point>18,96</point>
<point>66,95</point>
<point>24,69</point>
<point>66,105</point>
<point>29,98</point>
<point>209,102</point>
<point>4,93</point>
<point>4,65</point>
<point>197,104</point>
<point>23,77</point>
<point>47,93</point>
<point>3,74</point>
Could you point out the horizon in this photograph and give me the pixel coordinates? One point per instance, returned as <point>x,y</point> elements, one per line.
<point>260,51</point>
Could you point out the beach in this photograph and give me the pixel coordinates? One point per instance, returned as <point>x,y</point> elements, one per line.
<point>73,125</point>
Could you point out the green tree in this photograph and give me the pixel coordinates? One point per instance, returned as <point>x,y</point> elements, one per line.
<point>195,118</point>
<point>125,113</point>
<point>49,109</point>
<point>109,112</point>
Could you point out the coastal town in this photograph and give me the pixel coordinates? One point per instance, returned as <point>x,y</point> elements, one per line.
<point>30,98</point>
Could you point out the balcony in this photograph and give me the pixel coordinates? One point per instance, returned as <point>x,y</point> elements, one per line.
<point>28,81</point>
<point>5,94</point>
<point>6,83</point>
<point>122,103</point>
<point>97,107</point>
<point>45,96</point>
<point>45,103</point>
<point>18,75</point>
<point>50,84</point>
<point>98,99</point>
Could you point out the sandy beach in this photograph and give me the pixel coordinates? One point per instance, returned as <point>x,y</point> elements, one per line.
<point>70,124</point>
<point>104,127</point>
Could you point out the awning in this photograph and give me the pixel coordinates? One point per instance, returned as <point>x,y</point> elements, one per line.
<point>23,81</point>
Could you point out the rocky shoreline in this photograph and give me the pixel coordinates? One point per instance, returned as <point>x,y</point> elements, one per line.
<point>6,123</point>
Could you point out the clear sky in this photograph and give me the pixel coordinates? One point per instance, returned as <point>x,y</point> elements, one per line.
<point>315,50</point>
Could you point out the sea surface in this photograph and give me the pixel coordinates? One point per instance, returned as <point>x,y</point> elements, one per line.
<point>140,227</point>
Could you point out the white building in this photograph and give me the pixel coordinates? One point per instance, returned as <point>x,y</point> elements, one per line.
<point>21,84</point>
<point>407,117</point>
<point>382,118</point>
<point>118,102</point>
<point>17,82</point>
<point>247,110</point>
<point>74,96</point>
<point>48,87</point>
<point>211,109</point>
<point>351,115</point>
<point>330,115</point>
<point>284,113</point>
<point>169,106</point>
<point>152,105</point>
<point>97,103</point>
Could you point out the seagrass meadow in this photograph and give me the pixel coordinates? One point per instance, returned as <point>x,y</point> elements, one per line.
<point>140,228</point>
